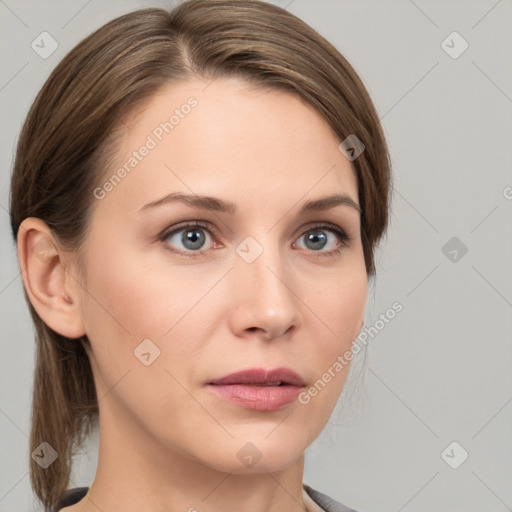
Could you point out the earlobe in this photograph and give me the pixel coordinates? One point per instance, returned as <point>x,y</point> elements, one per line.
<point>44,276</point>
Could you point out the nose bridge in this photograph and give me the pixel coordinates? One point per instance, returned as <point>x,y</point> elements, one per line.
<point>263,298</point>
<point>258,262</point>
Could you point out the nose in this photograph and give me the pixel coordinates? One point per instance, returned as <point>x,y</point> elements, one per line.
<point>263,300</point>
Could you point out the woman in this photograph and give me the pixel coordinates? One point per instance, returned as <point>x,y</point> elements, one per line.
<point>196,199</point>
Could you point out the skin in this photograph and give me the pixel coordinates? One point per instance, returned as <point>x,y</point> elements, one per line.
<point>166,441</point>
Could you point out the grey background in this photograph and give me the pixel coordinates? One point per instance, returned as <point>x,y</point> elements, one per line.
<point>440,370</point>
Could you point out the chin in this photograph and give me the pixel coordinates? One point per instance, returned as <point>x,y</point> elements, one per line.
<point>250,455</point>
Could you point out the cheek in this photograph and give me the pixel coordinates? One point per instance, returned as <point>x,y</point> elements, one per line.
<point>130,297</point>
<point>345,309</point>
<point>340,306</point>
<point>341,302</point>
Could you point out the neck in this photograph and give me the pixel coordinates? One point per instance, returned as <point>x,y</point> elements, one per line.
<point>135,472</point>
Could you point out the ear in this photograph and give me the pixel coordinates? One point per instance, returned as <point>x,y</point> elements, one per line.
<point>52,290</point>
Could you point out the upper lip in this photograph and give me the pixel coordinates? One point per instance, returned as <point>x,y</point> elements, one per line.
<point>262,376</point>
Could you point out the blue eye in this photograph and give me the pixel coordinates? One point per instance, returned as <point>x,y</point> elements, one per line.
<point>194,236</point>
<point>316,239</point>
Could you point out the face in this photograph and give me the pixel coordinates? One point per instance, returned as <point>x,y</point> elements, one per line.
<point>181,293</point>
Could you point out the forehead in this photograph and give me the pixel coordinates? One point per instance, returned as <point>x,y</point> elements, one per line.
<point>228,139</point>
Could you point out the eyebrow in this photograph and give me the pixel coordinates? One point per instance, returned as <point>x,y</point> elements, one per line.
<point>218,205</point>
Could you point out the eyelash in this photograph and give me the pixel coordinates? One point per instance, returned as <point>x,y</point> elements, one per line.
<point>341,235</point>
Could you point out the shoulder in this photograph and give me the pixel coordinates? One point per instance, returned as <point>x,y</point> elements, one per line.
<point>326,502</point>
<point>69,497</point>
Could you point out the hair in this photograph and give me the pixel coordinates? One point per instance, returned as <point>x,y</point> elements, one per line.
<point>68,135</point>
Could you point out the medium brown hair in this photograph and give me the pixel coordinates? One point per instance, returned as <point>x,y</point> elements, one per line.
<point>66,141</point>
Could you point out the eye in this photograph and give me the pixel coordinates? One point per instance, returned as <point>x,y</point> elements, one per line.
<point>195,238</point>
<point>317,238</point>
<point>189,238</point>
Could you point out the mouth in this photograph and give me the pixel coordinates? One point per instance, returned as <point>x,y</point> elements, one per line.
<point>259,389</point>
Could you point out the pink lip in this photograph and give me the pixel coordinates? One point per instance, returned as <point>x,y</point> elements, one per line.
<point>259,389</point>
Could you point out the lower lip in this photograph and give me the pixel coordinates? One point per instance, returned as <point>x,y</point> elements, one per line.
<point>259,398</point>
